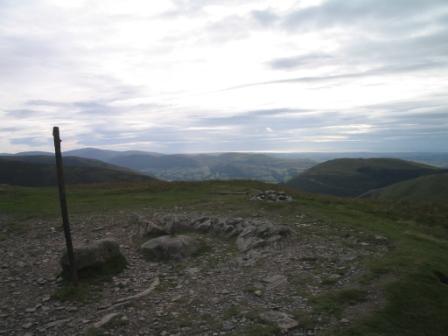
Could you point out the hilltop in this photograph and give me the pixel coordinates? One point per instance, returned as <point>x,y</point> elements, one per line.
<point>340,266</point>
<point>353,177</point>
<point>40,171</point>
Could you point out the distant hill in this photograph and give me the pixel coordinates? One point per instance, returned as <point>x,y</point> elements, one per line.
<point>103,154</point>
<point>40,171</point>
<point>353,177</point>
<point>431,188</point>
<point>194,167</point>
<point>439,159</point>
<point>226,166</point>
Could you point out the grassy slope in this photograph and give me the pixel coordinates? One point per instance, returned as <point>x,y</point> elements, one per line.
<point>40,171</point>
<point>353,177</point>
<point>417,302</point>
<point>432,188</point>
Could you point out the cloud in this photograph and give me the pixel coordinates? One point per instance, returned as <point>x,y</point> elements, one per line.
<point>380,71</point>
<point>211,75</point>
<point>29,141</point>
<point>283,63</point>
<point>366,12</point>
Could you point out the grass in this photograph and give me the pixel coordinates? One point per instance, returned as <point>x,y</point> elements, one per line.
<point>83,292</point>
<point>416,302</point>
<point>231,311</point>
<point>334,302</point>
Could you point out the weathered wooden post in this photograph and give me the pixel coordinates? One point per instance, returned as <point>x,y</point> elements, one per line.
<point>63,202</point>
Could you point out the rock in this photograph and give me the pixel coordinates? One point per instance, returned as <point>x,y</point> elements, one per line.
<point>171,247</point>
<point>57,323</point>
<point>245,244</point>
<point>228,325</point>
<point>260,234</point>
<point>27,325</point>
<point>147,228</point>
<point>100,257</point>
<point>282,320</point>
<point>276,280</point>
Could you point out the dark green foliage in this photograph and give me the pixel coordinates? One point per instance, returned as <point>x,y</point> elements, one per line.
<point>334,302</point>
<point>432,188</point>
<point>83,292</point>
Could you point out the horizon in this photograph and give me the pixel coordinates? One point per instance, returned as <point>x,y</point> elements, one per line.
<point>228,152</point>
<point>213,76</point>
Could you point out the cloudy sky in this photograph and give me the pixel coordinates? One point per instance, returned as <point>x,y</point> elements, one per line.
<point>225,75</point>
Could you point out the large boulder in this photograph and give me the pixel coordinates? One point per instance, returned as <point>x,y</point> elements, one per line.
<point>171,247</point>
<point>101,257</point>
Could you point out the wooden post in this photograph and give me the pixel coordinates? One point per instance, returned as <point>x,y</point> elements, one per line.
<point>63,202</point>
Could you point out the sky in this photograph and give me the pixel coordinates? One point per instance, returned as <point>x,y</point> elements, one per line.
<point>188,76</point>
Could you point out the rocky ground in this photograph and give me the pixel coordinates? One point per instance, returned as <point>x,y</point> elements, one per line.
<point>264,289</point>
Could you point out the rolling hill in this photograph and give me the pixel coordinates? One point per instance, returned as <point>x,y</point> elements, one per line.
<point>353,177</point>
<point>40,171</point>
<point>431,188</point>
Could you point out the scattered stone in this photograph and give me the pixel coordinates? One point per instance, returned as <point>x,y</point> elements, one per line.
<point>147,228</point>
<point>258,292</point>
<point>99,257</point>
<point>282,320</point>
<point>228,325</point>
<point>57,323</point>
<point>259,235</point>
<point>41,281</point>
<point>27,325</point>
<point>110,320</point>
<point>276,280</point>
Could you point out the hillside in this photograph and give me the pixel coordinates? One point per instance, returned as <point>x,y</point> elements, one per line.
<point>353,177</point>
<point>432,188</point>
<point>318,265</point>
<point>40,171</point>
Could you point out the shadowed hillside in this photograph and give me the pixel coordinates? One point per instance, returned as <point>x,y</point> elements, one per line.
<point>353,177</point>
<point>40,171</point>
<point>432,188</point>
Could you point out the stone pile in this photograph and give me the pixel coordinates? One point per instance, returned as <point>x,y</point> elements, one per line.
<point>272,196</point>
<point>170,247</point>
<point>170,243</point>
